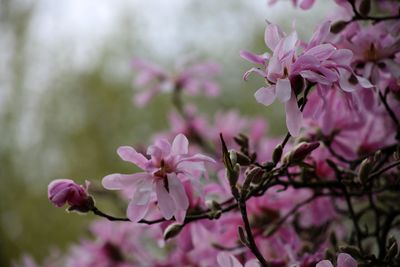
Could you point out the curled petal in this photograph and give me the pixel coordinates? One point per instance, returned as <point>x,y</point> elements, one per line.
<point>256,70</point>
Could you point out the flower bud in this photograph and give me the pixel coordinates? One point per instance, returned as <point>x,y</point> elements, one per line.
<point>63,191</point>
<point>300,152</point>
<point>233,156</point>
<point>364,171</point>
<point>277,154</point>
<point>172,230</point>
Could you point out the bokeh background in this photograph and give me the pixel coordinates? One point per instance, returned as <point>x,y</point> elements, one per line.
<point>66,93</point>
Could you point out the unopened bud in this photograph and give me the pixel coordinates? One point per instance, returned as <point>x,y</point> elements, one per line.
<point>365,7</point>
<point>392,251</point>
<point>242,236</point>
<point>300,152</point>
<point>233,156</point>
<point>242,159</point>
<point>172,230</point>
<point>338,26</point>
<point>364,171</point>
<point>277,154</point>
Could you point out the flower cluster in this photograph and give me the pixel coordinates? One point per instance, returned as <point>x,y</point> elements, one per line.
<point>324,194</point>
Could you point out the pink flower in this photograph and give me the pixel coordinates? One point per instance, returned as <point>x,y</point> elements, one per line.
<point>225,259</point>
<point>319,63</point>
<point>63,191</point>
<point>191,79</point>
<point>303,4</point>
<point>343,260</point>
<point>163,172</point>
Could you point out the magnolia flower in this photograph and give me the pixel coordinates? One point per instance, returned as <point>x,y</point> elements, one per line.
<point>163,172</point>
<point>303,4</point>
<point>225,259</point>
<point>343,260</point>
<point>319,63</point>
<point>192,79</point>
<point>61,191</point>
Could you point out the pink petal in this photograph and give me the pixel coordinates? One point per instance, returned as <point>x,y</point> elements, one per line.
<point>252,263</point>
<point>165,201</point>
<point>324,263</point>
<point>117,181</point>
<point>294,117</point>
<point>321,52</point>
<point>180,145</point>
<point>180,216</point>
<point>197,158</point>
<point>266,95</point>
<point>225,259</point>
<point>320,34</point>
<point>137,212</point>
<point>306,4</point>
<point>345,260</point>
<point>283,89</point>
<point>272,36</point>
<point>177,192</point>
<point>250,71</point>
<point>129,154</point>
<point>143,192</point>
<point>252,57</point>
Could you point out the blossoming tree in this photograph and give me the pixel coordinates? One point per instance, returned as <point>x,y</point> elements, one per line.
<point>224,193</point>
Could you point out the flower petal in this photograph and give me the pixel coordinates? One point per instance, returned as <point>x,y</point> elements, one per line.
<point>137,212</point>
<point>294,116</point>
<point>283,89</point>
<point>180,145</point>
<point>345,260</point>
<point>272,36</point>
<point>129,154</point>
<point>117,181</point>
<point>225,259</point>
<point>165,201</point>
<point>324,263</point>
<point>177,192</point>
<point>266,95</point>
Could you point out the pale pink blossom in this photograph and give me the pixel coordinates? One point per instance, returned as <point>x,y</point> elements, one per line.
<point>192,79</point>
<point>163,172</point>
<point>319,62</point>
<point>227,260</point>
<point>343,260</point>
<point>303,4</point>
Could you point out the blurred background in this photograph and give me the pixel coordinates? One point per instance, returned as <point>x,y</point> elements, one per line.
<point>66,93</point>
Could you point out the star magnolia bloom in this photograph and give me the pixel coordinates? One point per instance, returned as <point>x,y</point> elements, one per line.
<point>303,4</point>
<point>319,63</point>
<point>192,79</point>
<point>225,259</point>
<point>168,164</point>
<point>343,260</point>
